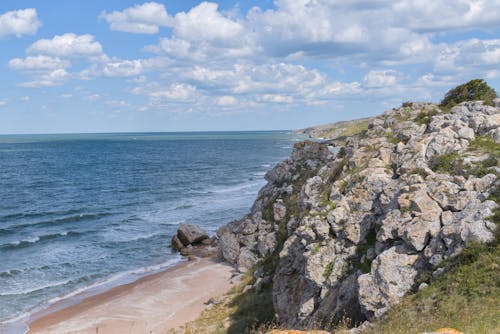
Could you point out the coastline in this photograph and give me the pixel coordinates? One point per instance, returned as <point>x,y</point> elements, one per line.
<point>152,304</point>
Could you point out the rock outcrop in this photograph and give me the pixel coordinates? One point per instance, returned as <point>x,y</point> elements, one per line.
<point>345,228</point>
<point>193,240</point>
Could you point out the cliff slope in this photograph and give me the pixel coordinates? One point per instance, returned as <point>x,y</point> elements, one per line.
<point>345,229</point>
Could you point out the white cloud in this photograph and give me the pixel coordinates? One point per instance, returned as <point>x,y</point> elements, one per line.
<point>3,102</point>
<point>39,62</point>
<point>139,19</point>
<point>48,79</point>
<point>226,100</point>
<point>175,92</point>
<point>114,68</point>
<point>19,22</point>
<point>205,23</point>
<point>25,98</point>
<point>68,45</point>
<point>275,98</point>
<point>383,78</point>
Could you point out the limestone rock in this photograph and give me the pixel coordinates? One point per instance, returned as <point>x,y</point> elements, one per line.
<point>391,277</point>
<point>229,247</point>
<point>346,226</point>
<point>177,245</point>
<point>190,234</point>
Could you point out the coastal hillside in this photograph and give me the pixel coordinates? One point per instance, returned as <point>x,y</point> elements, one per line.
<point>343,231</point>
<point>337,130</point>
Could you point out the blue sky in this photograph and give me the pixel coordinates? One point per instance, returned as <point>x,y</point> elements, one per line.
<point>106,66</point>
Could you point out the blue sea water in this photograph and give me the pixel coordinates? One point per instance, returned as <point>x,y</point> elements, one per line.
<point>89,209</point>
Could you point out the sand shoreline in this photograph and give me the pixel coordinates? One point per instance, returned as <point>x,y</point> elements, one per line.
<point>152,304</point>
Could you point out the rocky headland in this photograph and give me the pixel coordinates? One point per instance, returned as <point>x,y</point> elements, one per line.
<point>348,226</point>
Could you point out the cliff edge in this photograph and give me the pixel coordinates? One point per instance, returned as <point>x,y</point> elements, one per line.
<point>345,229</point>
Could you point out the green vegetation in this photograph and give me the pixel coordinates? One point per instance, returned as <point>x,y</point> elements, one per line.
<point>465,297</point>
<point>476,89</point>
<point>447,163</point>
<point>339,130</point>
<point>391,138</point>
<point>484,145</point>
<point>407,104</point>
<point>425,117</point>
<point>328,270</point>
<point>315,249</point>
<point>245,310</point>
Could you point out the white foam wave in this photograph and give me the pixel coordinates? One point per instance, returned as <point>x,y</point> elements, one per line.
<point>18,325</point>
<point>117,279</point>
<point>237,187</point>
<point>30,290</point>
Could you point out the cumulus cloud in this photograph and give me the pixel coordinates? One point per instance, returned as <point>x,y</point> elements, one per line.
<point>39,62</point>
<point>226,100</point>
<point>139,19</point>
<point>205,23</point>
<point>69,45</point>
<point>114,68</point>
<point>382,78</point>
<point>48,79</point>
<point>19,22</point>
<point>275,98</point>
<point>176,92</point>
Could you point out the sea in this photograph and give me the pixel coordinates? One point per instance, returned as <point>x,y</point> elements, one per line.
<point>86,212</point>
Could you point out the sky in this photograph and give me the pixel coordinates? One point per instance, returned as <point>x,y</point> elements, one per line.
<point>184,65</point>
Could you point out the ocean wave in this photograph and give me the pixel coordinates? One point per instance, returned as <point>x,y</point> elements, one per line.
<point>34,289</point>
<point>236,188</point>
<point>116,280</point>
<point>138,237</point>
<point>10,273</point>
<point>68,219</point>
<point>34,239</point>
<point>184,206</point>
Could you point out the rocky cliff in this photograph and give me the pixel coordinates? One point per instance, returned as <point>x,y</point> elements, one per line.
<point>346,227</point>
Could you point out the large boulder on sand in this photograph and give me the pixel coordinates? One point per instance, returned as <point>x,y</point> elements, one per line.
<point>190,234</point>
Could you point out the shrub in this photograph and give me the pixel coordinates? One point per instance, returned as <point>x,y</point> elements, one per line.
<point>476,89</point>
<point>447,163</point>
<point>425,117</point>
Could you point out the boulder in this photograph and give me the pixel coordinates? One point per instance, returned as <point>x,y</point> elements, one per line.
<point>229,247</point>
<point>190,234</point>
<point>177,245</point>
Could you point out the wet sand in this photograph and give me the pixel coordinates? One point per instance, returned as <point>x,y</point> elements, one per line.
<point>153,304</point>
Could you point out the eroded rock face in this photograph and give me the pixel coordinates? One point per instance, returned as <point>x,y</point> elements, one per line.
<point>350,225</point>
<point>190,234</point>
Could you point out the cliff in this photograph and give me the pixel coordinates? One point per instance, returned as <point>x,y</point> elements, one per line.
<point>345,228</point>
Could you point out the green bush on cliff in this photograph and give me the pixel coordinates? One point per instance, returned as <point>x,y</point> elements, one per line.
<point>476,89</point>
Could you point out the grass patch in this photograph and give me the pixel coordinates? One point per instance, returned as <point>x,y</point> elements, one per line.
<point>238,312</point>
<point>485,144</point>
<point>391,138</point>
<point>316,248</point>
<point>447,163</point>
<point>425,118</point>
<point>465,297</point>
<point>328,270</point>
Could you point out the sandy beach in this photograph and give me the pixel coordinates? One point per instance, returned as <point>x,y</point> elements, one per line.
<point>153,304</point>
